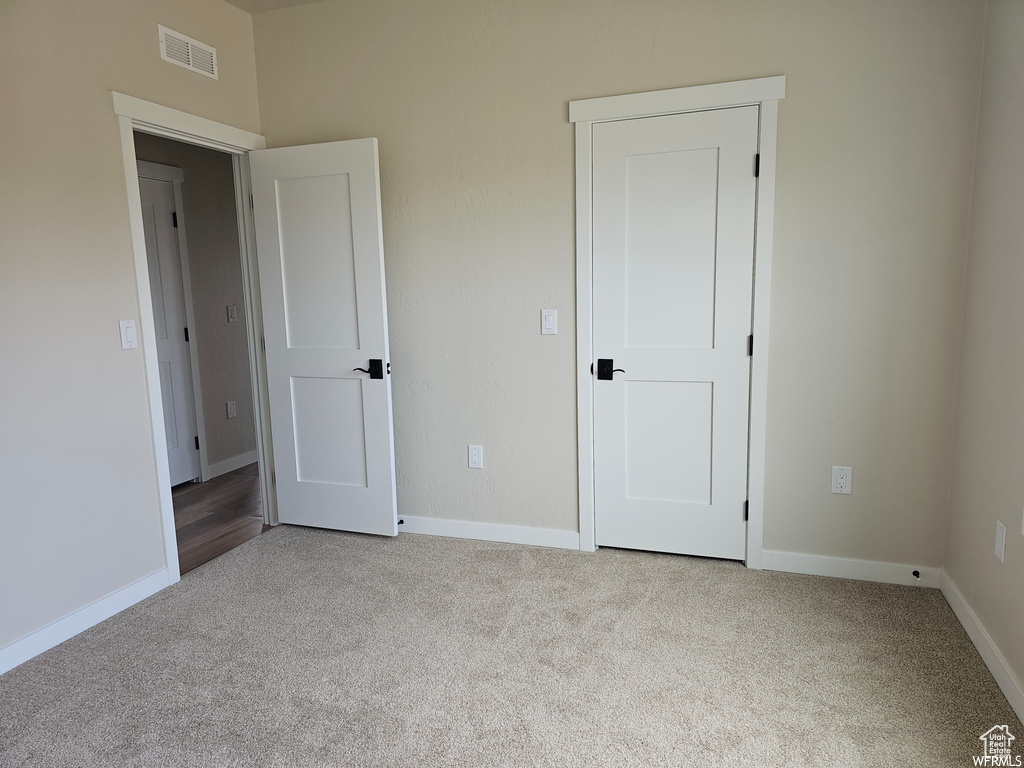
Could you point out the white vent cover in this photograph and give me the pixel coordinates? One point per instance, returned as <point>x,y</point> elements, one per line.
<point>186,52</point>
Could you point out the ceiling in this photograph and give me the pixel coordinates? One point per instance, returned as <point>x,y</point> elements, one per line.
<point>258,6</point>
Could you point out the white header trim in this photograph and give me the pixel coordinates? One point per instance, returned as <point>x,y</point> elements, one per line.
<point>714,96</point>
<point>164,121</point>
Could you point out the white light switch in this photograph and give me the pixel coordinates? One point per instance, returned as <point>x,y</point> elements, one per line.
<point>476,457</point>
<point>231,409</point>
<point>232,313</point>
<point>129,335</point>
<point>549,321</point>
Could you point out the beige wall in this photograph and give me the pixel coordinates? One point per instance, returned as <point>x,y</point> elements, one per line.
<point>78,499</point>
<point>469,101</point>
<point>988,479</point>
<point>211,228</point>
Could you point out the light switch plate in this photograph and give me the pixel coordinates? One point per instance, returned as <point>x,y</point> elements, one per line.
<point>232,313</point>
<point>232,412</point>
<point>1000,540</point>
<point>129,335</point>
<point>476,457</point>
<point>549,321</point>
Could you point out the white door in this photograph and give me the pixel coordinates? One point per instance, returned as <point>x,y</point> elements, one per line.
<point>321,265</point>
<point>158,218</point>
<point>673,240</point>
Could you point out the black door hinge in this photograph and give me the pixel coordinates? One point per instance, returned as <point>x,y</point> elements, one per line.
<point>746,510</point>
<point>757,165</point>
<point>252,204</point>
<point>263,343</point>
<point>186,334</point>
<point>750,345</point>
<point>174,217</point>
<point>273,477</point>
<point>197,442</point>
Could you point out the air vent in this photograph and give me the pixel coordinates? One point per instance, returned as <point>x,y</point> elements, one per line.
<point>186,52</point>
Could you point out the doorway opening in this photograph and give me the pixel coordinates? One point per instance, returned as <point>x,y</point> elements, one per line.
<point>315,211</point>
<point>200,315</point>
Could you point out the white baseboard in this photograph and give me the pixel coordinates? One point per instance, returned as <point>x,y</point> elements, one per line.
<point>1008,682</point>
<point>848,568</point>
<point>57,632</point>
<point>508,534</point>
<point>235,462</point>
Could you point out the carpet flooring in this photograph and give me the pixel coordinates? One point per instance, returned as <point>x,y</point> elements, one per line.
<point>314,648</point>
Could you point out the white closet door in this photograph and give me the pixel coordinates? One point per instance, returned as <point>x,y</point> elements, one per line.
<point>169,319</point>
<point>321,264</point>
<point>673,240</point>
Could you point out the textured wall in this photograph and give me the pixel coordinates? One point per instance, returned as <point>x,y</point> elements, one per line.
<point>988,481</point>
<point>469,101</point>
<point>78,497</point>
<point>211,226</point>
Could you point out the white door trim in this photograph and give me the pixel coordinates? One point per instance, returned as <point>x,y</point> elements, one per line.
<point>175,124</point>
<point>176,177</point>
<point>765,93</point>
<point>675,100</point>
<point>135,114</point>
<point>254,331</point>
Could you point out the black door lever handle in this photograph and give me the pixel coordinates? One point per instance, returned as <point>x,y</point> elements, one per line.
<point>376,369</point>
<point>606,369</point>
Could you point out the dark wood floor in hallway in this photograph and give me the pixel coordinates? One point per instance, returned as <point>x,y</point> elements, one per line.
<point>214,517</point>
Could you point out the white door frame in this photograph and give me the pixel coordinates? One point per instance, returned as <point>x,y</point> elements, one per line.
<point>144,116</point>
<point>176,177</point>
<point>765,93</point>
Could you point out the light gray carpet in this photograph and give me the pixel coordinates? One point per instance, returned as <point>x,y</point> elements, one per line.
<point>313,648</point>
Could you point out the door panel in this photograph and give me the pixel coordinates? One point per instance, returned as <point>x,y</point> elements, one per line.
<point>330,437</point>
<point>673,241</point>
<point>668,440</point>
<point>169,320</point>
<point>321,264</point>
<point>670,249</point>
<point>318,262</point>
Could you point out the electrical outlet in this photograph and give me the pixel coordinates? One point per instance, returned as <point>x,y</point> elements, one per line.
<point>476,457</point>
<point>1000,541</point>
<point>231,409</point>
<point>842,479</point>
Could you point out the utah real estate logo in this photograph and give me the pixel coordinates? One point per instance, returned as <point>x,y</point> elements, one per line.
<point>998,749</point>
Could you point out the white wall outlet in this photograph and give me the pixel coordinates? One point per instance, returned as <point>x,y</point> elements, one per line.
<point>842,479</point>
<point>549,321</point>
<point>232,412</point>
<point>129,335</point>
<point>1000,541</point>
<point>476,457</point>
<point>232,313</point>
